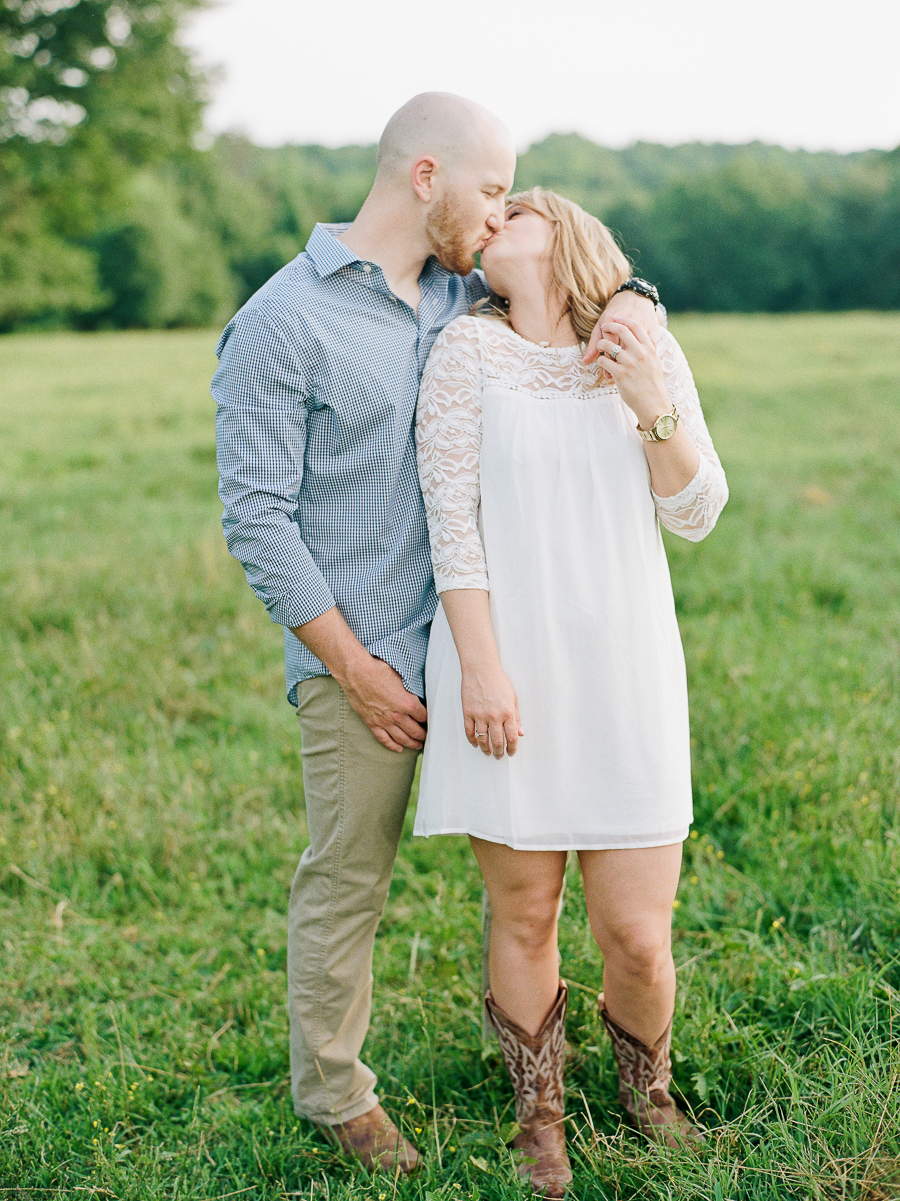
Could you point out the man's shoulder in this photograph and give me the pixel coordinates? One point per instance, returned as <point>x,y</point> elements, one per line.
<point>284,292</point>
<point>275,307</point>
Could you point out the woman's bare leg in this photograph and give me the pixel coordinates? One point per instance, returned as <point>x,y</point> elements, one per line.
<point>629,896</point>
<point>524,888</point>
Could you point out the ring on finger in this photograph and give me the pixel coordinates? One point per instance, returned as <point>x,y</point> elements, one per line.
<point>479,734</point>
<point>614,352</point>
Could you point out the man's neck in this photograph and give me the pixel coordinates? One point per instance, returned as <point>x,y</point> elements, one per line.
<point>384,233</point>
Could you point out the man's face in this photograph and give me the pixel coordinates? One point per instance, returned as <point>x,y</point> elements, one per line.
<point>469,209</point>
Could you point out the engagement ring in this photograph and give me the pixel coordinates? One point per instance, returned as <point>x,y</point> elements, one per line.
<point>614,352</point>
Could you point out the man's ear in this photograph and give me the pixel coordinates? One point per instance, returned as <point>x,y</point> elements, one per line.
<point>423,174</point>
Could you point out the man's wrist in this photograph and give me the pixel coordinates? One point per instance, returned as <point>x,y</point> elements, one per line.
<point>351,664</point>
<point>640,287</point>
<point>333,642</point>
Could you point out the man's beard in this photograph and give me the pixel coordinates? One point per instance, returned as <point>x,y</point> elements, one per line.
<point>449,241</point>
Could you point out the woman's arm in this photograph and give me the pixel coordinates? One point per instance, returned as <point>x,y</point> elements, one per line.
<point>489,701</point>
<point>686,477</point>
<point>448,449</point>
<point>448,441</point>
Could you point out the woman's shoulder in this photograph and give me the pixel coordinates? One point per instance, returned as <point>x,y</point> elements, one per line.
<point>460,333</point>
<point>670,352</point>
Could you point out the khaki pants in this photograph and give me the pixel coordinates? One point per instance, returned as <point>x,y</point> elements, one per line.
<point>357,792</point>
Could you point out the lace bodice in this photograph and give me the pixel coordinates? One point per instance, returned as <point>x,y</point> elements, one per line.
<point>473,353</point>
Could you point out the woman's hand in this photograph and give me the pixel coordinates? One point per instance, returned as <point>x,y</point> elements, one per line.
<point>638,374</point>
<point>624,306</point>
<point>490,706</point>
<point>491,709</point>
<point>631,360</point>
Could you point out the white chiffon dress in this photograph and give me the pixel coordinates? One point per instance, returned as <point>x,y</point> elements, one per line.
<point>537,489</point>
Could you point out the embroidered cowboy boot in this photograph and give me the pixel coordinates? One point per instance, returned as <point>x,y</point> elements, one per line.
<point>535,1066</point>
<point>645,1074</point>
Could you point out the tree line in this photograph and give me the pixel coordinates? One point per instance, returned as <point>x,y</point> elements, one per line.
<point>114,212</point>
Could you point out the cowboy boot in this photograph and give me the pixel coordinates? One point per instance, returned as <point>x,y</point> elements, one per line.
<point>535,1066</point>
<point>645,1074</point>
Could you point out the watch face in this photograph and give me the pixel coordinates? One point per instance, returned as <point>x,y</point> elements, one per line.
<point>665,426</point>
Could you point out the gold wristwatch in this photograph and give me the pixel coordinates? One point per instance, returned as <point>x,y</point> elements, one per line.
<point>662,428</point>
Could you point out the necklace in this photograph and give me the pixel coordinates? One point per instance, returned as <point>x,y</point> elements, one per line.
<point>546,345</point>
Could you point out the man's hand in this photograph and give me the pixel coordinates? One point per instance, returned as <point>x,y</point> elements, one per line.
<point>630,306</point>
<point>377,693</point>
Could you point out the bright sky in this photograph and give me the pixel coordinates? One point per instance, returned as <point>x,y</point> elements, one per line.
<point>821,74</point>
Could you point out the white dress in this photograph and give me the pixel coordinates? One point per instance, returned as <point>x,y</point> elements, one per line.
<point>537,488</point>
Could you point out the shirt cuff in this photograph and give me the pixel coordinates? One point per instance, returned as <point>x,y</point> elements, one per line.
<point>296,610</point>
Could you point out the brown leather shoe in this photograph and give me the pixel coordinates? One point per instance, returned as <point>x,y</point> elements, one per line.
<point>375,1141</point>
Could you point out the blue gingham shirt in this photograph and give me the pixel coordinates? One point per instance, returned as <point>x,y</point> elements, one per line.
<point>316,399</point>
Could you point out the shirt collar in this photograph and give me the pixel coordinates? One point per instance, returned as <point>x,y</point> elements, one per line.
<point>327,253</point>
<point>434,270</point>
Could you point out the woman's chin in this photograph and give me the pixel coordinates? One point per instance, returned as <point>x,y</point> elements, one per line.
<point>494,282</point>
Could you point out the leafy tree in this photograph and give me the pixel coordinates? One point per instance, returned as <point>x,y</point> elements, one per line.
<point>40,273</point>
<point>591,175</point>
<point>159,268</point>
<point>263,203</point>
<point>91,91</point>
<point>740,228</point>
<point>106,77</point>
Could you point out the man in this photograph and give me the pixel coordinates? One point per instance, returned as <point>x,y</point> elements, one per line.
<point>316,392</point>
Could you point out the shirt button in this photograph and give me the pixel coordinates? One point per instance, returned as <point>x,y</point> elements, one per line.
<point>367,267</point>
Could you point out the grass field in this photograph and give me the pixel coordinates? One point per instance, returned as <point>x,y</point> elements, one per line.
<point>152,812</point>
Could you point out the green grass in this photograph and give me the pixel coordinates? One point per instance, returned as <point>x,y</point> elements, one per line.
<point>152,812</point>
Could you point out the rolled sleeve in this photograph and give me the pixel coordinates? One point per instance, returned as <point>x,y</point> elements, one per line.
<point>261,420</point>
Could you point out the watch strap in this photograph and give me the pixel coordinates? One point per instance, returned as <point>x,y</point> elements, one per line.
<point>651,435</point>
<point>641,287</point>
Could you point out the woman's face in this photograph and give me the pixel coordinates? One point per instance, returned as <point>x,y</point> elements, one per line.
<point>517,251</point>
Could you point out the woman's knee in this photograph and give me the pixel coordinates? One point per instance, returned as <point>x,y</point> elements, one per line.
<point>642,950</point>
<point>524,888</point>
<point>527,914</point>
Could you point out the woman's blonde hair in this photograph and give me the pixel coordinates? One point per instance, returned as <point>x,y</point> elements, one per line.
<point>586,264</point>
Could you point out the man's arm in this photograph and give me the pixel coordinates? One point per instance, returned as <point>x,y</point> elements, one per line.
<point>260,444</point>
<point>261,438</point>
<point>375,691</point>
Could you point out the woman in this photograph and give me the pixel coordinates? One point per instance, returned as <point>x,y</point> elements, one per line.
<point>545,481</point>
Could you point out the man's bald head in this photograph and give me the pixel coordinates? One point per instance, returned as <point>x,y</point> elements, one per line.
<point>454,131</point>
<point>445,166</point>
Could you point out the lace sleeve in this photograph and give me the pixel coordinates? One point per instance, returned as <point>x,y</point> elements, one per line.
<point>693,511</point>
<point>448,441</point>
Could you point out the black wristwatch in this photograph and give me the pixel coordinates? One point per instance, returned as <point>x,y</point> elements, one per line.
<point>641,287</point>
